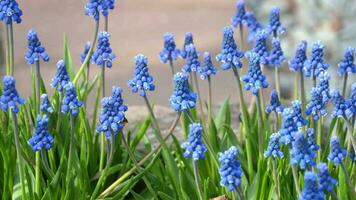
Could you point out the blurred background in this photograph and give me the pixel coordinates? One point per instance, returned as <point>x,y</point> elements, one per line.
<point>137,26</point>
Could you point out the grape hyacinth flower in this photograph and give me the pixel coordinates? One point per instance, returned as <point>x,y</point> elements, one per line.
<point>298,118</point>
<point>327,183</point>
<point>35,50</point>
<point>276,56</point>
<point>61,78</point>
<point>239,18</point>
<point>169,51</point>
<point>187,41</point>
<point>194,147</point>
<point>324,78</point>
<point>253,25</point>
<point>275,25</point>
<point>229,56</point>
<point>341,107</point>
<point>10,97</point>
<point>315,64</point>
<point>260,46</point>
<point>103,54</point>
<point>70,102</point>
<point>316,105</point>
<point>351,102</point>
<point>94,7</point>
<point>42,138</point>
<point>313,146</point>
<point>230,169</point>
<point>300,57</point>
<point>208,69</point>
<point>302,154</point>
<point>46,106</point>
<point>142,80</point>
<point>87,47</point>
<point>192,62</point>
<point>182,98</point>
<point>337,152</point>
<point>254,79</point>
<point>311,190</point>
<point>275,104</point>
<point>112,117</point>
<point>274,145</point>
<point>347,65</point>
<point>10,11</point>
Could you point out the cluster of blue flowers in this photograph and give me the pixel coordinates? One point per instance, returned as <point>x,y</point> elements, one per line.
<point>169,51</point>
<point>300,57</point>
<point>35,50</point>
<point>274,145</point>
<point>61,78</point>
<point>45,106</point>
<point>239,18</point>
<point>194,147</point>
<point>142,80</point>
<point>276,57</point>
<point>94,7</point>
<point>192,62</point>
<point>347,65</point>
<point>302,154</point>
<point>103,54</point>
<point>341,106</point>
<point>337,152</point>
<point>42,138</point>
<point>260,46</point>
<point>10,97</point>
<point>327,183</point>
<point>10,11</point>
<point>275,105</point>
<point>182,98</point>
<point>275,25</point>
<point>87,47</point>
<point>70,102</point>
<point>315,65</point>
<point>253,25</point>
<point>112,117</point>
<point>312,190</point>
<point>230,169</point>
<point>208,69</point>
<point>188,39</point>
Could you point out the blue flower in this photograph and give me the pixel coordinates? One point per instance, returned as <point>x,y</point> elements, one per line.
<point>341,107</point>
<point>274,145</point>
<point>169,51</point>
<point>103,54</point>
<point>10,97</point>
<point>302,154</point>
<point>42,138</point>
<point>275,25</point>
<point>315,64</point>
<point>194,147</point>
<point>45,106</point>
<point>327,183</point>
<point>94,7</point>
<point>311,190</point>
<point>142,80</point>
<point>253,25</point>
<point>298,115</point>
<point>10,11</point>
<point>324,78</point>
<point>313,146</point>
<point>276,56</point>
<point>300,57</point>
<point>87,47</point>
<point>192,62</point>
<point>347,65</point>
<point>35,50</point>
<point>208,68</point>
<point>70,102</point>
<point>61,78</point>
<point>316,106</point>
<point>260,46</point>
<point>240,17</point>
<point>230,169</point>
<point>229,56</point>
<point>275,104</point>
<point>187,41</point>
<point>337,152</point>
<point>351,102</point>
<point>254,79</point>
<point>112,117</point>
<point>182,98</point>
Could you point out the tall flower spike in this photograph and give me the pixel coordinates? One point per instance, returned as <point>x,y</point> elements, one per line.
<point>315,64</point>
<point>42,138</point>
<point>337,152</point>
<point>229,56</point>
<point>275,25</point>
<point>142,80</point>
<point>94,7</point>
<point>112,117</point>
<point>254,79</point>
<point>298,115</point>
<point>298,60</point>
<point>87,47</point>
<point>324,78</point>
<point>275,104</point>
<point>311,190</point>
<point>313,146</point>
<point>192,62</point>
<point>274,147</point>
<point>253,25</point>
<point>194,147</point>
<point>341,107</point>
<point>187,41</point>
<point>103,54</point>
<point>182,98</point>
<point>169,51</point>
<point>35,50</point>
<point>61,78</point>
<point>46,106</point>
<point>276,56</point>
<point>230,169</point>
<point>70,101</point>
<point>260,46</point>
<point>347,65</point>
<point>10,97</point>
<point>316,106</point>
<point>302,154</point>
<point>10,11</point>
<point>239,18</point>
<point>351,102</point>
<point>327,183</point>
<point>208,68</point>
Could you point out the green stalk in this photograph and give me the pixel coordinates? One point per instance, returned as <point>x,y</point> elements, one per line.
<point>199,99</point>
<point>278,86</point>
<point>106,23</point>
<point>344,85</point>
<point>158,133</point>
<point>260,124</point>
<point>12,48</point>
<point>86,85</point>
<point>319,136</point>
<point>302,90</point>
<point>241,29</point>
<point>210,97</point>
<point>275,177</point>
<point>348,180</point>
<point>171,66</point>
<point>9,50</point>
<point>196,178</point>
<point>350,132</point>
<point>102,136</point>
<point>38,87</point>
<point>295,178</point>
<point>240,193</point>
<point>296,88</point>
<point>38,174</point>
<point>71,148</point>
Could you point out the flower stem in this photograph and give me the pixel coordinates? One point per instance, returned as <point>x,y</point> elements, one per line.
<point>38,87</point>
<point>278,87</point>
<point>344,86</point>
<point>71,148</point>
<point>319,136</point>
<point>210,97</point>
<point>240,193</point>
<point>260,124</point>
<point>106,23</point>
<point>295,178</point>
<point>199,98</point>
<point>87,84</point>
<point>158,133</point>
<point>241,29</point>
<point>348,180</point>
<point>350,132</point>
<point>38,174</point>
<point>102,136</point>
<point>302,90</point>
<point>196,178</point>
<point>275,177</point>
<point>296,86</point>
<point>10,49</point>
<point>171,66</point>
